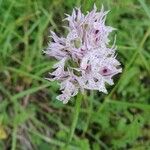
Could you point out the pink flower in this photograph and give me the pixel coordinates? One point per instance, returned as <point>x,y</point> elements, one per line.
<point>85,60</point>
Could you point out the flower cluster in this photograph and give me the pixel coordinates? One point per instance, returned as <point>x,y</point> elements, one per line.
<point>85,61</point>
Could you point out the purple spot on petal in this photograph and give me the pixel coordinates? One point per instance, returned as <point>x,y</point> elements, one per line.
<point>88,68</point>
<point>96,31</point>
<point>105,71</point>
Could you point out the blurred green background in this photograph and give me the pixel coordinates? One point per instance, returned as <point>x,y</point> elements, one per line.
<point>30,116</point>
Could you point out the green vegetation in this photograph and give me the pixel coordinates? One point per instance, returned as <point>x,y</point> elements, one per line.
<point>30,116</point>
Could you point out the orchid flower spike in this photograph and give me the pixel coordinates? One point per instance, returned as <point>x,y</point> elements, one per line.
<point>85,59</point>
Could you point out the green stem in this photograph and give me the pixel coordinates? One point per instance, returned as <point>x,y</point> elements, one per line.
<point>75,117</point>
<point>90,110</point>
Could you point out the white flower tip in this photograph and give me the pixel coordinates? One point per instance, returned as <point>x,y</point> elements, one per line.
<point>62,98</point>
